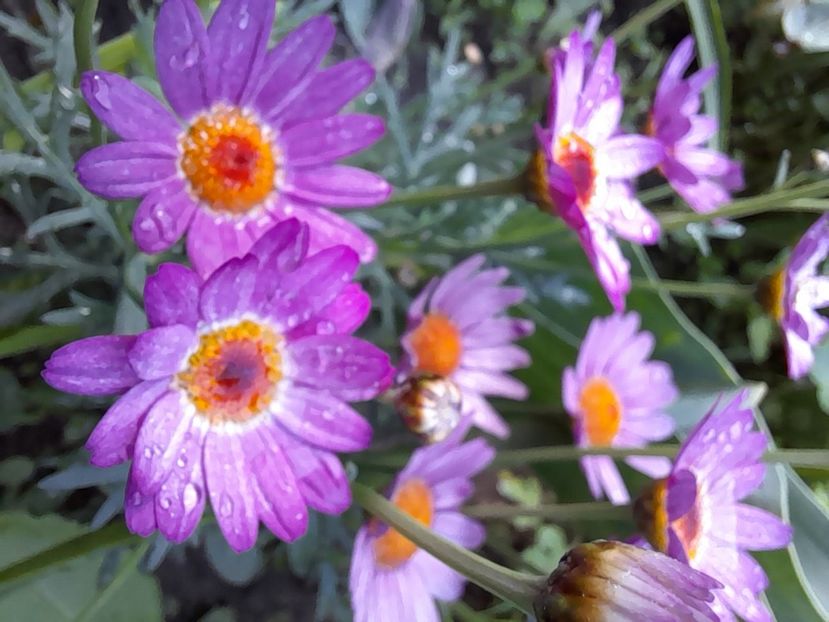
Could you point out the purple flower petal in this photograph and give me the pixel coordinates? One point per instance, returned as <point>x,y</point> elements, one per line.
<point>326,140</point>
<point>288,66</point>
<point>491,383</point>
<point>568,81</point>
<point>440,580</point>
<point>337,186</point>
<point>238,35</point>
<point>610,265</point>
<point>179,503</point>
<point>139,510</point>
<point>460,529</point>
<point>347,367</point>
<point>92,366</point>
<point>234,289</point>
<point>760,530</point>
<point>484,415</point>
<point>171,296</point>
<point>629,155</point>
<point>343,316</point>
<point>704,162</point>
<point>126,169</point>
<point>231,490</point>
<point>497,358</point>
<point>162,217</point>
<point>322,420</point>
<point>628,218</point>
<point>182,56</point>
<point>329,229</point>
<point>498,330</point>
<point>283,246</point>
<point>127,109</point>
<point>160,440</point>
<point>465,460</point>
<point>159,352</point>
<point>278,500</point>
<point>329,91</point>
<point>113,438</point>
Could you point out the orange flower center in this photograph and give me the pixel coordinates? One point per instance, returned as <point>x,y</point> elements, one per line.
<point>601,411</point>
<point>232,375</point>
<point>229,160</point>
<point>538,182</point>
<point>651,511</point>
<point>415,499</point>
<point>436,343</point>
<point>770,293</point>
<point>575,155</point>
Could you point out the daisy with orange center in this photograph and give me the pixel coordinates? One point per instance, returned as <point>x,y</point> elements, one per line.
<point>390,577</point>
<point>584,166</point>
<point>458,330</point>
<point>616,397</point>
<point>253,136</point>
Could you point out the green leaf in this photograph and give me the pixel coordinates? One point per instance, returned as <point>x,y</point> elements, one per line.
<point>28,338</point>
<point>63,569</point>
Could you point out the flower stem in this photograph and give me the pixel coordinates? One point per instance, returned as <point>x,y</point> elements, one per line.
<point>518,588</point>
<point>495,187</point>
<point>84,55</point>
<point>558,511</point>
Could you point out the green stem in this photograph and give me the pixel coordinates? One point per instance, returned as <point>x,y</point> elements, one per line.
<point>436,194</point>
<point>128,567</point>
<point>84,54</point>
<point>518,588</point>
<point>691,289</point>
<point>113,534</point>
<point>642,18</point>
<point>558,511</point>
<point>789,199</point>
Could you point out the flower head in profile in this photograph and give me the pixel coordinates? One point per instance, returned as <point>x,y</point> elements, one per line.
<point>239,391</point>
<point>584,166</point>
<point>252,138</point>
<point>616,397</point>
<point>696,516</point>
<point>704,177</point>
<point>615,582</point>
<point>390,577</point>
<point>793,294</point>
<point>457,329</point>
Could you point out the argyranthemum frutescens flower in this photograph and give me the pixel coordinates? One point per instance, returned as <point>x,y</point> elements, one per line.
<point>584,165</point>
<point>457,329</point>
<point>390,578</point>
<point>239,391</point>
<point>696,515</point>
<point>794,293</point>
<point>616,397</point>
<point>616,582</point>
<point>703,177</point>
<point>252,139</point>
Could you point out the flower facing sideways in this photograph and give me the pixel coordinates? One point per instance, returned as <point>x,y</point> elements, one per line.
<point>238,392</point>
<point>253,137</point>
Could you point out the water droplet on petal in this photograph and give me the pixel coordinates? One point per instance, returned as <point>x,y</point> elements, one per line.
<point>191,497</point>
<point>226,506</point>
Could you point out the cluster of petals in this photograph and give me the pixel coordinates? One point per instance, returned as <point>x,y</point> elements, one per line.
<point>239,391</point>
<point>616,397</point>
<point>696,514</point>
<point>252,138</point>
<point>458,329</point>
<point>391,579</point>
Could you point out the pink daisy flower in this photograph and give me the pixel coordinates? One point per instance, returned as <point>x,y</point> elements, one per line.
<point>390,578</point>
<point>609,407</point>
<point>695,514</point>
<point>584,166</point>
<point>252,138</point>
<point>457,329</point>
<point>238,392</point>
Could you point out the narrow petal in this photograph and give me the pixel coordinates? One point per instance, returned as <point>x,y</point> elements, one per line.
<point>171,296</point>
<point>179,503</point>
<point>459,529</point>
<point>610,265</point>
<point>704,161</point>
<point>329,91</point>
<point>238,35</point>
<point>232,290</point>
<point>491,383</point>
<point>337,186</point>
<point>288,66</point>
<point>92,366</point>
<point>484,415</point>
<point>126,109</point>
<point>162,217</point>
<point>345,314</point>
<point>652,466</point>
<point>628,218</point>
<point>349,368</point>
<point>629,155</point>
<point>160,439</point>
<point>283,246</point>
<point>760,530</point>
<point>278,500</point>
<point>568,84</point>
<point>139,510</point>
<point>495,331</point>
<point>322,420</point>
<point>159,352</point>
<point>126,169</point>
<point>182,55</point>
<point>497,358</point>
<point>441,581</point>
<point>329,229</point>
<point>112,440</point>
<point>325,140</point>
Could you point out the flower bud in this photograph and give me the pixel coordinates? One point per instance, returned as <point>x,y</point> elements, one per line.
<point>430,406</point>
<point>605,580</point>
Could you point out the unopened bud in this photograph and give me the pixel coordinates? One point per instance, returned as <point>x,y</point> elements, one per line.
<point>430,406</point>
